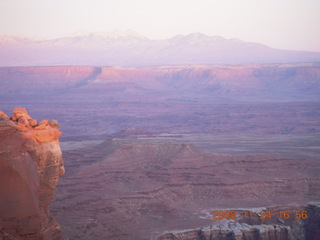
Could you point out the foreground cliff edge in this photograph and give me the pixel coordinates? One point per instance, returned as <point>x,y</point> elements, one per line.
<point>30,166</point>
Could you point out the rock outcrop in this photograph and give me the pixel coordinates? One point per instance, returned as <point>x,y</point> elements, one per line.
<point>235,232</point>
<point>293,226</point>
<point>30,166</point>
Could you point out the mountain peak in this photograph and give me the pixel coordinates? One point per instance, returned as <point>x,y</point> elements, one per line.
<point>115,34</point>
<point>131,48</point>
<point>5,39</point>
<point>198,37</point>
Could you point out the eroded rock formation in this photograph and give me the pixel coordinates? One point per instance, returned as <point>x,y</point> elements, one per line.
<point>30,166</point>
<point>274,227</point>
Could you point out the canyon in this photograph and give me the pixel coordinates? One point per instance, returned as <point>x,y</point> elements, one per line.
<point>273,82</point>
<point>127,188</point>
<point>151,151</point>
<point>188,99</point>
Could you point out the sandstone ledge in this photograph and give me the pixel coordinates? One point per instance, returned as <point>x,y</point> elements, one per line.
<point>30,166</point>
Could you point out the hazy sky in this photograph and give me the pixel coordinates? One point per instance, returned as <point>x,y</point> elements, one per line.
<point>286,24</point>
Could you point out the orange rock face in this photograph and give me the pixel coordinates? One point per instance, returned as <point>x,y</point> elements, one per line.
<point>20,112</point>
<point>30,166</point>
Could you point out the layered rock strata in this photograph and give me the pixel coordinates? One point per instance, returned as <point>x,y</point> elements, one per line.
<point>302,225</point>
<point>129,189</point>
<point>30,166</point>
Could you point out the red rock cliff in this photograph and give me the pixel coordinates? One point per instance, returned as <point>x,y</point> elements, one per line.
<point>30,166</point>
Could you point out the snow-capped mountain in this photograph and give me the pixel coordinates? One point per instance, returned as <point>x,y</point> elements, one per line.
<point>131,48</point>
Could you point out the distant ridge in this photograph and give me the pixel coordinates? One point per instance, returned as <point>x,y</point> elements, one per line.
<point>129,48</point>
<point>113,34</point>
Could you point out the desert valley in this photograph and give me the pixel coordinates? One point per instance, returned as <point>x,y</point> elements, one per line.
<point>198,148</point>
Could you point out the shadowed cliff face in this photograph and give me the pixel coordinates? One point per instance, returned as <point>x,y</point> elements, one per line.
<point>30,166</point>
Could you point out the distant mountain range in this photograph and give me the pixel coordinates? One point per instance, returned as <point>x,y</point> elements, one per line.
<point>128,48</point>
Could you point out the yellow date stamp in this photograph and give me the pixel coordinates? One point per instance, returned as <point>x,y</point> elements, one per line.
<point>235,214</point>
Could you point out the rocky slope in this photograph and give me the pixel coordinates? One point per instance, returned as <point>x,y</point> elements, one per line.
<point>30,166</point>
<point>128,189</point>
